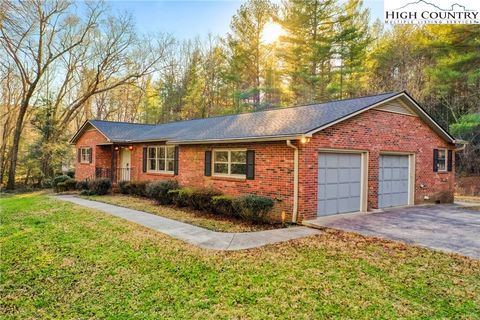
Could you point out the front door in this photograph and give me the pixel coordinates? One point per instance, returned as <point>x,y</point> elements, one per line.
<point>125,165</point>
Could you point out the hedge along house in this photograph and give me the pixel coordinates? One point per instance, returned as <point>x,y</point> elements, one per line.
<point>343,156</point>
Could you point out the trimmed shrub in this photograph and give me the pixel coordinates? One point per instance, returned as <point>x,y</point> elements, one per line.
<point>99,186</point>
<point>138,188</point>
<point>58,180</point>
<point>61,187</point>
<point>85,192</point>
<point>47,183</point>
<point>158,190</point>
<point>253,208</point>
<point>125,187</point>
<point>181,197</point>
<point>173,194</point>
<point>223,205</point>
<point>70,184</point>
<point>201,199</point>
<point>82,185</point>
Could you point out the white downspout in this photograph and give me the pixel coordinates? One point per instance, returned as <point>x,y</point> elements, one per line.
<point>295,181</point>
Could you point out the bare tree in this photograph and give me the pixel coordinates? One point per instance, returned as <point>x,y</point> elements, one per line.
<point>74,57</point>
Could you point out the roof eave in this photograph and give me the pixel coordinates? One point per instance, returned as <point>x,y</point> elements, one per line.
<point>437,128</point>
<point>239,140</point>
<point>79,132</point>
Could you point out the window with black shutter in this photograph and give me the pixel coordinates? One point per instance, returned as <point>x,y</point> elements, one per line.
<point>175,163</point>
<point>250,164</point>
<point>450,160</point>
<point>144,160</point>
<point>208,163</point>
<point>440,160</point>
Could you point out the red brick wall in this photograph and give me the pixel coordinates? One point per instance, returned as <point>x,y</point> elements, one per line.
<point>377,131</point>
<point>273,171</point>
<point>100,156</point>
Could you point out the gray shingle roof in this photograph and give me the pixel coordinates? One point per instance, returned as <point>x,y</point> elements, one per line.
<point>271,123</point>
<point>121,131</point>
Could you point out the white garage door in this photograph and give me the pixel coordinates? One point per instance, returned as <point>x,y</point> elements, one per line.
<point>393,181</point>
<point>339,183</point>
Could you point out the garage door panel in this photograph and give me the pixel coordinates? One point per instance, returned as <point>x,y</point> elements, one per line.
<point>339,186</point>
<point>356,161</point>
<point>393,180</point>
<point>331,206</point>
<point>343,190</point>
<point>332,176</point>
<point>332,191</point>
<point>344,175</point>
<point>355,189</point>
<point>332,161</point>
<point>343,162</point>
<point>355,174</point>
<point>321,191</point>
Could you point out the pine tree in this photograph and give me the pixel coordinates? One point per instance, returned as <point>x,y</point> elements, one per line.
<point>248,52</point>
<point>351,42</point>
<point>307,48</point>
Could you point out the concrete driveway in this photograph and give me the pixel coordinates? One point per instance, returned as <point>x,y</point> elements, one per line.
<point>450,228</point>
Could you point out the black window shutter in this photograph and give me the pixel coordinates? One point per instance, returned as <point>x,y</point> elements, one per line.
<point>144,160</point>
<point>435,160</point>
<point>208,163</point>
<point>90,155</point>
<point>175,161</point>
<point>450,160</point>
<point>250,164</point>
<point>79,155</point>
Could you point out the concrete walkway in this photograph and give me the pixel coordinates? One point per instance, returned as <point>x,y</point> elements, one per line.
<point>198,236</point>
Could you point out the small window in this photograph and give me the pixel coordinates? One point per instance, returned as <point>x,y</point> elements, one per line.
<point>160,158</point>
<point>442,160</point>
<point>230,163</point>
<point>85,155</point>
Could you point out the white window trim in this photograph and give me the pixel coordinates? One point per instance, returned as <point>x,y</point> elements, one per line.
<point>156,158</point>
<point>229,164</point>
<point>446,160</point>
<point>83,151</point>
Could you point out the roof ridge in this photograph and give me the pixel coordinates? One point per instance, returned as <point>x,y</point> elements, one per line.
<point>126,122</point>
<point>253,112</point>
<point>279,108</point>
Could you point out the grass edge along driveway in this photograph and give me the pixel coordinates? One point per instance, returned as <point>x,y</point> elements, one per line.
<point>62,261</point>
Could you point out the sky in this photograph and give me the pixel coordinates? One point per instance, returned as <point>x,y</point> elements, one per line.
<point>186,19</point>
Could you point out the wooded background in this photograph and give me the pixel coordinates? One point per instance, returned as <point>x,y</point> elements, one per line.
<point>64,62</point>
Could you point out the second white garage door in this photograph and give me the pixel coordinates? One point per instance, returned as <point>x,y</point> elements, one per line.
<point>393,181</point>
<point>339,183</point>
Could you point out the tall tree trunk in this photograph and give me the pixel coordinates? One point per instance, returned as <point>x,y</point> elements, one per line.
<point>16,142</point>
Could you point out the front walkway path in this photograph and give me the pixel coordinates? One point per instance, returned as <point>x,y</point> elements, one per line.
<point>195,235</point>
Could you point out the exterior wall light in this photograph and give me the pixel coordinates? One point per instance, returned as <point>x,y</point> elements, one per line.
<point>116,148</point>
<point>130,148</point>
<point>304,140</point>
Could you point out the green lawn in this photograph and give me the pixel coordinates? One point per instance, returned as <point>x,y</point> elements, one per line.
<point>63,261</point>
<point>202,219</point>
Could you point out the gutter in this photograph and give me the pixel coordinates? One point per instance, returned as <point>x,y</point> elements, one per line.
<point>461,142</point>
<point>295,180</point>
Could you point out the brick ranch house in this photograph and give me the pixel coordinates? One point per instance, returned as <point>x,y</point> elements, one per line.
<point>343,156</point>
